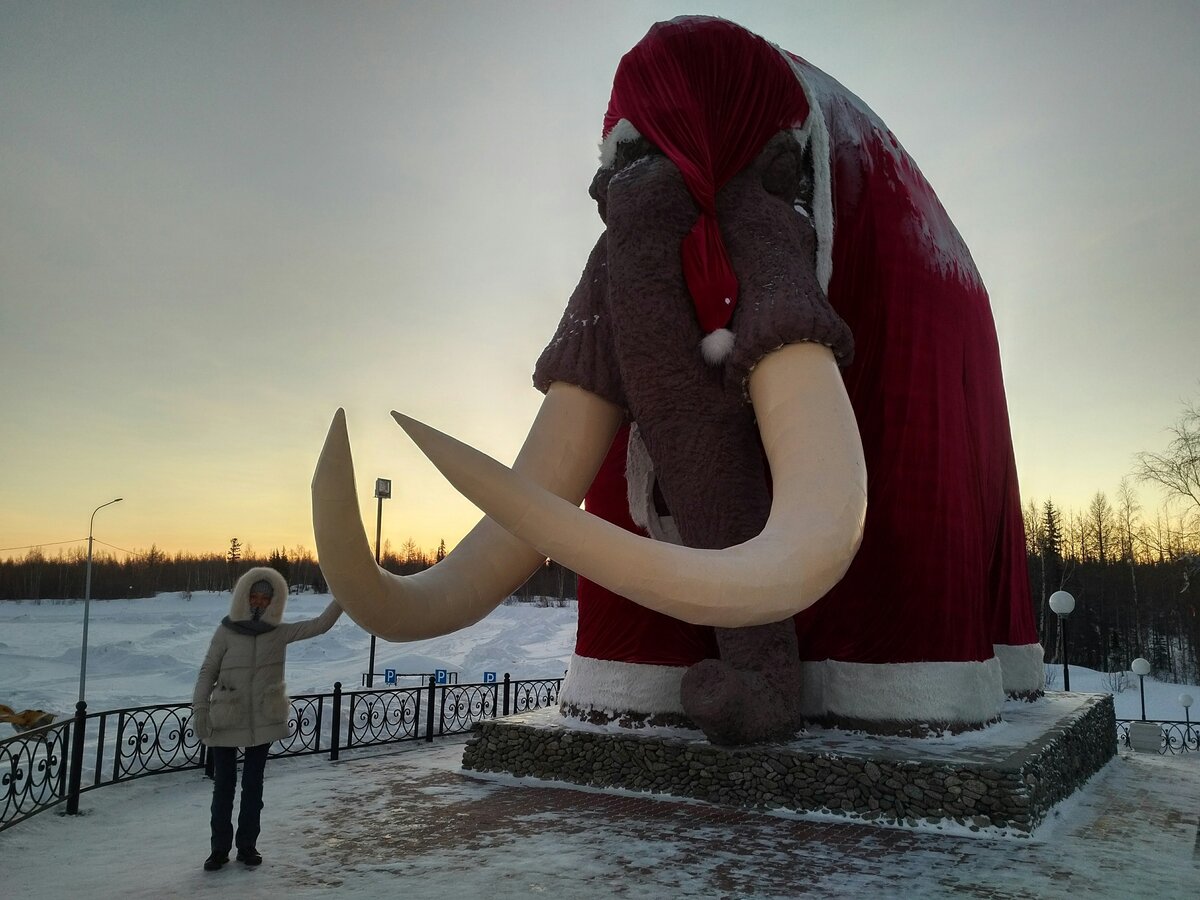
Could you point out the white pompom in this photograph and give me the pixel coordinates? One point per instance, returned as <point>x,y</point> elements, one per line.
<point>621,132</point>
<point>716,346</point>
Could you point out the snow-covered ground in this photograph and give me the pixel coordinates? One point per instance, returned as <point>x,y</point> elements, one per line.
<point>148,651</point>
<point>404,821</point>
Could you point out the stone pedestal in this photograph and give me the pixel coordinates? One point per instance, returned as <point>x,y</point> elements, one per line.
<point>1005,776</point>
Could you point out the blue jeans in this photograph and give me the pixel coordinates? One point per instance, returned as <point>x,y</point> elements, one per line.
<point>224,783</point>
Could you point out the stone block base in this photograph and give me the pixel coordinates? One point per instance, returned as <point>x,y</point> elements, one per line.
<point>1006,776</point>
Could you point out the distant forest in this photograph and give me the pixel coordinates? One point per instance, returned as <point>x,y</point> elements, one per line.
<point>39,576</point>
<point>1135,578</point>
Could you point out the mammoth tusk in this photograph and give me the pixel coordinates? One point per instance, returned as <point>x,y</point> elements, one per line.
<point>815,526</point>
<point>564,449</point>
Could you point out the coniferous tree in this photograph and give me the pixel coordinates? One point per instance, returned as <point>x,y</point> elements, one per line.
<point>1052,562</point>
<point>233,556</point>
<point>278,561</point>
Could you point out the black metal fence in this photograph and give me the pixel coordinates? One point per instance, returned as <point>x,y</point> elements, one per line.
<point>1177,737</point>
<point>41,768</point>
<point>54,764</point>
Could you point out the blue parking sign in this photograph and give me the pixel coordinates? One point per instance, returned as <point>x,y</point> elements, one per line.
<point>389,676</point>
<point>440,675</point>
<point>489,677</point>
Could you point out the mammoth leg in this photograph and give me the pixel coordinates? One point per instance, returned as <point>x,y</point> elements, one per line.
<point>752,693</point>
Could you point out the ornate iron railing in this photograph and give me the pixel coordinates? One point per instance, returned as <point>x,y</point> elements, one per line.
<point>530,695</point>
<point>33,771</point>
<point>149,739</point>
<point>383,716</point>
<point>1177,737</point>
<point>307,731</point>
<point>463,706</point>
<point>56,763</point>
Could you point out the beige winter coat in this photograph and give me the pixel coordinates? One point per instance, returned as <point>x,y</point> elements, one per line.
<point>240,698</point>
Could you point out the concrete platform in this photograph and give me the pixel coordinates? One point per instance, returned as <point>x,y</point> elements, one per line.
<point>1005,777</point>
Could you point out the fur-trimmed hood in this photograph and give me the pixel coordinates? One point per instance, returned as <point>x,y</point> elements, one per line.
<point>239,605</point>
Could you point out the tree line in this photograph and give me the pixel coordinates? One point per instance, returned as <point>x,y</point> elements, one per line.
<point>1136,584</point>
<point>1135,578</point>
<point>40,576</point>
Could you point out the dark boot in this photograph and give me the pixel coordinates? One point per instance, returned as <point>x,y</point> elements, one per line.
<point>215,860</point>
<point>249,856</point>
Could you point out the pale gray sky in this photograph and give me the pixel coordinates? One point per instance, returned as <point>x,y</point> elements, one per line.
<point>221,221</point>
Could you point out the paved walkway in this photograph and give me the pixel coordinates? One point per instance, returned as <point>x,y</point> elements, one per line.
<point>1132,833</point>
<point>411,824</point>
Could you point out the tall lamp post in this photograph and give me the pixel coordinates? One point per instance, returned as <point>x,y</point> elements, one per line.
<point>1185,700</point>
<point>1141,668</point>
<point>383,491</point>
<point>87,598</point>
<point>1063,604</point>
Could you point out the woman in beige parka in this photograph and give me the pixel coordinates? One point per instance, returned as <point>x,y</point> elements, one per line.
<point>240,700</point>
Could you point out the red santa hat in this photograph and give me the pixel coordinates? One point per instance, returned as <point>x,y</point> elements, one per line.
<point>709,95</point>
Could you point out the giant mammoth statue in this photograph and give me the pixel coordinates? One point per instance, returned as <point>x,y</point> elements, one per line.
<point>778,385</point>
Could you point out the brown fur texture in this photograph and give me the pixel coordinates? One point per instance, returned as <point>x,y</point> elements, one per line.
<point>630,334</point>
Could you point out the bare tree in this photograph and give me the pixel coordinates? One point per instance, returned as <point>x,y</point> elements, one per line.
<point>1128,510</point>
<point>1177,469</point>
<point>1075,536</point>
<point>1100,526</point>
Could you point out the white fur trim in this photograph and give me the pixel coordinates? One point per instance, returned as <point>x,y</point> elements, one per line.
<point>239,603</point>
<point>663,528</point>
<point>639,491</point>
<point>611,686</point>
<point>716,346</point>
<point>639,480</point>
<point>814,131</point>
<point>621,132</point>
<point>1023,667</point>
<point>961,692</point>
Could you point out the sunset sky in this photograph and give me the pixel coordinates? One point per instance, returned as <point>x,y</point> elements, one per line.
<point>221,221</point>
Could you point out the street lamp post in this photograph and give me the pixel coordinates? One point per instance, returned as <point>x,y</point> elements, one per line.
<point>383,490</point>
<point>1063,604</point>
<point>1185,700</point>
<point>1141,668</point>
<point>87,599</point>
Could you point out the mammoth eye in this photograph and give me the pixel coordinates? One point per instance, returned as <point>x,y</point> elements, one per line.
<point>781,175</point>
<point>629,152</point>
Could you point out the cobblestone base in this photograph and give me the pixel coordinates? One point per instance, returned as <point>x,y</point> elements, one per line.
<point>1005,779</point>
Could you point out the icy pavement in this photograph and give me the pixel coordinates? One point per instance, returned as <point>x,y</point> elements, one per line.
<point>410,823</point>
